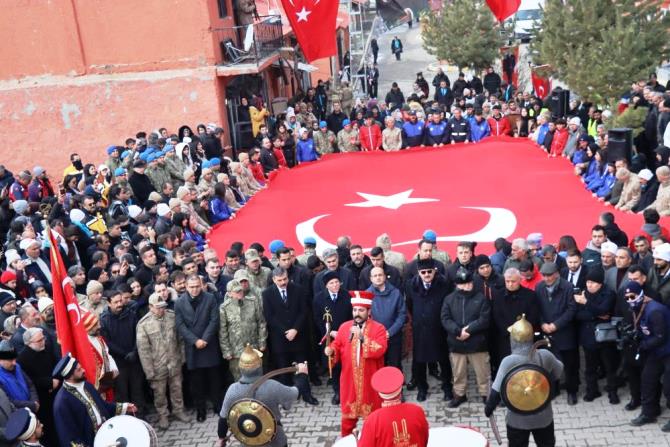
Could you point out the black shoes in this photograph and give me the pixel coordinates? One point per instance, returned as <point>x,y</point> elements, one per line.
<point>335,400</point>
<point>572,398</point>
<point>590,396</point>
<point>309,399</point>
<point>634,404</point>
<point>421,396</point>
<point>614,398</point>
<point>457,401</point>
<point>484,399</point>
<point>411,385</point>
<point>201,415</point>
<point>643,419</point>
<point>448,395</point>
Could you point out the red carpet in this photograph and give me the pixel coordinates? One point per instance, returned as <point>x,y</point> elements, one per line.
<point>502,187</point>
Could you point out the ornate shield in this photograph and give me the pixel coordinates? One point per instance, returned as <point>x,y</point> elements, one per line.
<point>527,389</point>
<point>252,422</point>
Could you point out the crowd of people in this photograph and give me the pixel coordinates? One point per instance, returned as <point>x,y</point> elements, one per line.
<point>169,317</point>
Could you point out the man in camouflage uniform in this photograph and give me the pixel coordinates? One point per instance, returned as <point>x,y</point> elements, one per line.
<point>438,255</point>
<point>310,249</point>
<point>346,98</point>
<point>305,117</point>
<point>394,258</point>
<point>347,138</point>
<point>324,139</point>
<point>174,166</point>
<point>249,289</point>
<point>157,173</point>
<point>272,393</point>
<point>161,355</point>
<point>259,276</point>
<point>241,323</point>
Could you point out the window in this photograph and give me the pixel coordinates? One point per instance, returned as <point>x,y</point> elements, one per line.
<point>223,9</point>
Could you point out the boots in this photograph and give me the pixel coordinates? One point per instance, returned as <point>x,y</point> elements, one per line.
<point>163,423</point>
<point>181,416</point>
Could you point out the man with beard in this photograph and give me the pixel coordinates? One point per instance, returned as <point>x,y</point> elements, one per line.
<point>24,427</point>
<point>507,306</point>
<point>425,252</point>
<point>575,272</point>
<point>76,167</point>
<point>336,302</point>
<point>425,295</point>
<point>360,346</point>
<point>377,259</point>
<point>38,362</point>
<point>615,278</point>
<point>79,410</point>
<point>297,274</point>
<point>118,325</point>
<point>591,254</point>
<point>359,262</point>
<point>659,276</point>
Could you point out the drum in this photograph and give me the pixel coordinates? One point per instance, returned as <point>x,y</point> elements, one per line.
<point>438,437</point>
<point>125,431</point>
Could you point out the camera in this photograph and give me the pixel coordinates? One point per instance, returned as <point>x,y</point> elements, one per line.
<point>627,336</point>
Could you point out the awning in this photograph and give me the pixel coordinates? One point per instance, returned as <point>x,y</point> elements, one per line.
<point>308,68</point>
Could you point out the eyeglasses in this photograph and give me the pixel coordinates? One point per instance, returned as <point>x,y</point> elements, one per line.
<point>425,272</point>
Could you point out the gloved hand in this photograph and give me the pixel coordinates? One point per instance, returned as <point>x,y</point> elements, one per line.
<point>131,357</point>
<point>491,403</point>
<point>301,381</point>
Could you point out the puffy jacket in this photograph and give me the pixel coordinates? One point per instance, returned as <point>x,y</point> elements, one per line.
<point>598,304</point>
<point>559,141</point>
<point>219,211</point>
<point>305,151</point>
<point>499,126</point>
<point>471,309</point>
<point>370,138</point>
<point>479,129</point>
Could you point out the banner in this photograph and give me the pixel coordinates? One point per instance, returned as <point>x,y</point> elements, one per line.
<point>314,23</point>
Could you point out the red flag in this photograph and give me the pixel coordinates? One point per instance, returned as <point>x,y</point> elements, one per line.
<point>502,9</point>
<point>71,333</point>
<point>541,85</point>
<point>314,23</point>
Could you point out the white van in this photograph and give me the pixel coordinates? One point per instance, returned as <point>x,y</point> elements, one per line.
<point>528,16</point>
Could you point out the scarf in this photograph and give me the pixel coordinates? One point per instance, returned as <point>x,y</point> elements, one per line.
<point>14,383</point>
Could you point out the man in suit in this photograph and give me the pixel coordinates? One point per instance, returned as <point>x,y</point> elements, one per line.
<point>38,266</point>
<point>334,300</point>
<point>557,315</point>
<point>575,271</point>
<point>286,310</point>
<point>197,321</point>
<point>332,261</point>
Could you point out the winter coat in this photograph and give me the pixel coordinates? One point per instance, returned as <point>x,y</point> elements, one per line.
<point>219,210</point>
<point>559,308</point>
<point>242,323</point>
<point>201,323</point>
<point>499,126</point>
<point>506,308</point>
<point>479,129</point>
<point>559,141</point>
<point>425,306</point>
<point>388,308</point>
<point>471,309</point>
<point>305,151</point>
<point>347,140</point>
<point>598,304</point>
<point>119,333</point>
<point>370,138</point>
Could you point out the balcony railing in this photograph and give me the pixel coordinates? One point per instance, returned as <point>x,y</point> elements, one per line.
<point>250,44</point>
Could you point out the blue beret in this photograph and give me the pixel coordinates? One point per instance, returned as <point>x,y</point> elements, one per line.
<point>276,245</point>
<point>110,149</point>
<point>345,122</point>
<point>309,240</point>
<point>214,162</point>
<point>168,148</point>
<point>144,156</point>
<point>124,154</point>
<point>323,124</point>
<point>120,171</point>
<point>152,157</point>
<point>430,235</point>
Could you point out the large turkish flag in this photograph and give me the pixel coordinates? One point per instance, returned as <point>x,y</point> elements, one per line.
<point>502,9</point>
<point>314,23</point>
<point>501,187</point>
<point>541,85</point>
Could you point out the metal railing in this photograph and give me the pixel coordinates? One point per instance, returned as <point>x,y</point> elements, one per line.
<point>249,44</point>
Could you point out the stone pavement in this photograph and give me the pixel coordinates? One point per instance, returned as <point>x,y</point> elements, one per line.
<point>593,424</point>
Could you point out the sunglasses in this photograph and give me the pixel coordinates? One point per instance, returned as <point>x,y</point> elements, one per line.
<point>425,272</point>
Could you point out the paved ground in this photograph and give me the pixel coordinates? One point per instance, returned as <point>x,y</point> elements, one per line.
<point>590,424</point>
<point>587,424</point>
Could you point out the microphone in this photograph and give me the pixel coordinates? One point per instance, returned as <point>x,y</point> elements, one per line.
<point>351,337</point>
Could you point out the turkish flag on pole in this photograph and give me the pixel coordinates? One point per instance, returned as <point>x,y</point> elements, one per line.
<point>502,9</point>
<point>314,23</point>
<point>69,327</point>
<point>541,85</point>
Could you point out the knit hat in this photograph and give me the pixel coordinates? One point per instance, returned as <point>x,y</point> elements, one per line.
<point>20,206</point>
<point>6,297</point>
<point>188,173</point>
<point>182,191</point>
<point>94,287</point>
<point>162,209</point>
<point>662,252</point>
<point>7,351</point>
<point>7,276</point>
<point>596,274</point>
<point>11,256</point>
<point>482,260</point>
<point>43,303</point>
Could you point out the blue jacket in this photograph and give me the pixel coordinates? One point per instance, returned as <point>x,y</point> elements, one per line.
<point>657,339</point>
<point>388,308</point>
<point>542,133</point>
<point>437,133</point>
<point>219,210</point>
<point>608,181</point>
<point>579,156</point>
<point>305,151</point>
<point>479,130</point>
<point>412,133</point>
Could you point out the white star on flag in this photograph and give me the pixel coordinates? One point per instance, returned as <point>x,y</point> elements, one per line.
<point>302,14</point>
<point>392,202</point>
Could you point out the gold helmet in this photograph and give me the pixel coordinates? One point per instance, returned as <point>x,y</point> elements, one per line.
<point>251,358</point>
<point>521,331</point>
